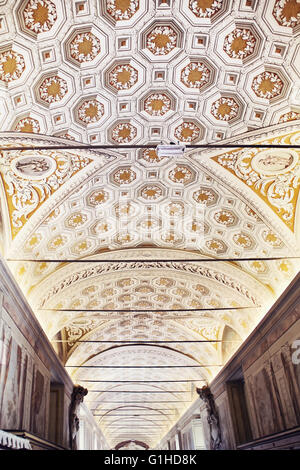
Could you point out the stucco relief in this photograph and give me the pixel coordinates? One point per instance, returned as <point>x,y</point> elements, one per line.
<point>30,180</point>
<point>273,175</point>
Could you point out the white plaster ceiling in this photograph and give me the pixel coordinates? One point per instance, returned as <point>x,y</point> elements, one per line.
<point>194,71</point>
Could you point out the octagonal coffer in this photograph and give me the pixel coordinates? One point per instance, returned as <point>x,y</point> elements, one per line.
<point>122,13</point>
<point>162,40</point>
<point>124,77</point>
<point>86,46</point>
<point>40,18</point>
<point>157,103</point>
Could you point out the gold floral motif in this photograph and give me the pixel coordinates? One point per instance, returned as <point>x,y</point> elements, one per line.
<point>102,227</point>
<point>53,89</point>
<point>28,125</point>
<point>98,197</point>
<point>243,240</point>
<point>175,209</point>
<point>291,116</point>
<point>157,104</point>
<point>205,196</point>
<point>124,176</point>
<point>285,267</point>
<point>57,242</point>
<point>217,246</point>
<point>150,155</point>
<point>225,109</point>
<point>271,238</point>
<point>123,77</point>
<point>195,304</point>
<point>267,85</point>
<point>149,224</point>
<point>197,226</point>
<point>287,12</point>
<point>90,111</point>
<point>151,192</point>
<point>12,65</point>
<point>124,133</point>
<point>122,10</point>
<point>239,44</point>
<point>85,47</point>
<point>89,290</point>
<point>124,238</point>
<point>109,292</point>
<point>125,282</point>
<point>181,174</point>
<point>171,237</point>
<point>225,217</point>
<point>125,209</point>
<point>76,220</point>
<point>161,40</point>
<point>195,75</point>
<point>187,132</point>
<point>258,266</point>
<point>162,298</point>
<point>125,298</point>
<point>81,247</point>
<point>33,241</point>
<point>144,289</point>
<point>205,8</point>
<point>165,281</point>
<point>202,289</point>
<point>40,15</point>
<point>181,292</point>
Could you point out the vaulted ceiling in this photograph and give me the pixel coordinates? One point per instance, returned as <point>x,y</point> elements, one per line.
<point>125,72</point>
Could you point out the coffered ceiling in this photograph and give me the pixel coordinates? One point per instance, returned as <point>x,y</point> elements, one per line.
<point>134,73</point>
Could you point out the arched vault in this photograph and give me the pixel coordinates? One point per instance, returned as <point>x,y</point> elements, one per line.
<point>160,298</point>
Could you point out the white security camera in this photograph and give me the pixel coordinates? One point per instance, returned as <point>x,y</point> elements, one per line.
<point>170,150</point>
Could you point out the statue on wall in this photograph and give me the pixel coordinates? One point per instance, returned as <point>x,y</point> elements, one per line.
<point>212,417</point>
<point>77,397</point>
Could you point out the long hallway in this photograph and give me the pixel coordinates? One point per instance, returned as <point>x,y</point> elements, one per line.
<point>148,298</point>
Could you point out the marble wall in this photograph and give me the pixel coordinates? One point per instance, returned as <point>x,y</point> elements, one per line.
<point>30,372</point>
<point>266,365</point>
<point>24,376</point>
<point>257,394</point>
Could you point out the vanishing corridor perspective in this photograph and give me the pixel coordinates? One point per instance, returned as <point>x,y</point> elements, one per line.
<point>149,300</point>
